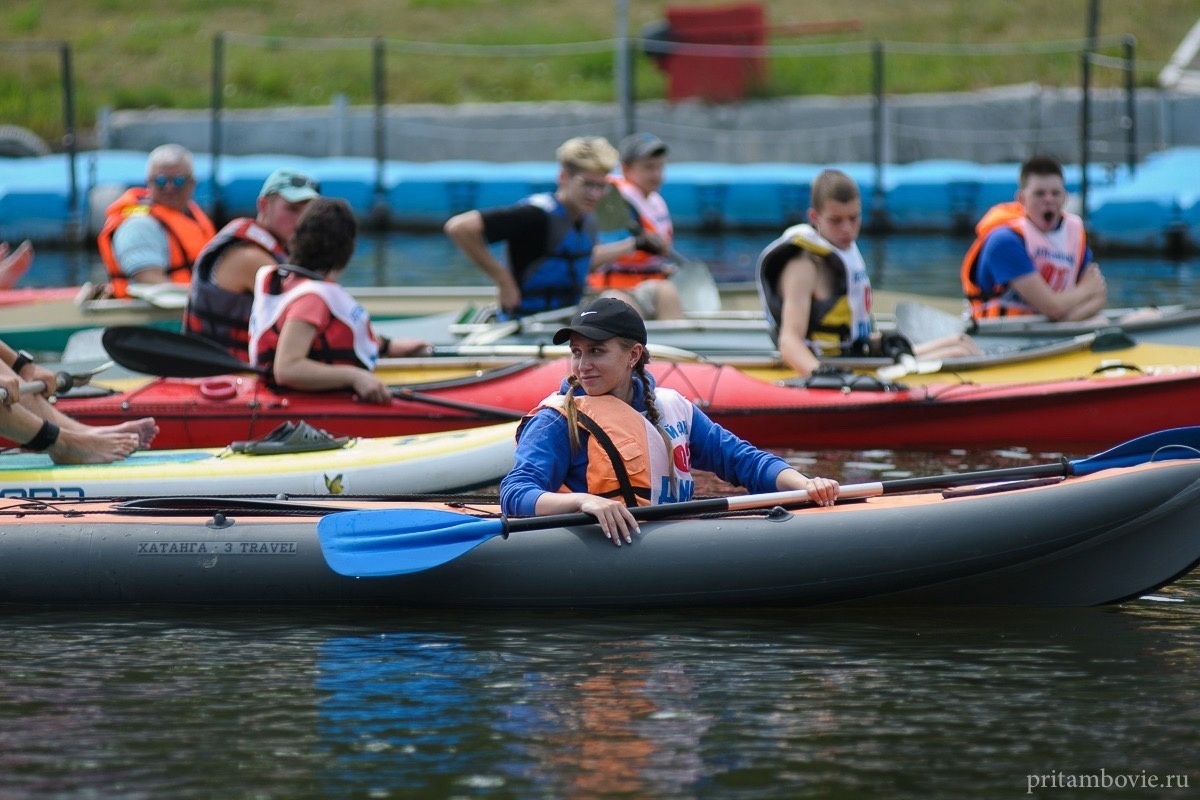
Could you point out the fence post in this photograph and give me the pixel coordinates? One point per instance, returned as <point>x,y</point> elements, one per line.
<point>879,215</point>
<point>218,86</point>
<point>1085,133</point>
<point>379,213</point>
<point>75,229</point>
<point>1085,106</point>
<point>1131,148</point>
<point>624,69</point>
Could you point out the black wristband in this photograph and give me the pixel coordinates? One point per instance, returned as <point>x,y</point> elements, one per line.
<point>46,436</point>
<point>384,344</point>
<point>22,360</point>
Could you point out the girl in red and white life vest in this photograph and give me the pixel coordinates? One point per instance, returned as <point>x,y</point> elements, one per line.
<point>609,439</point>
<point>308,331</point>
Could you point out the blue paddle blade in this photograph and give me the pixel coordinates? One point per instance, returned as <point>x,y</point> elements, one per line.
<point>365,544</point>
<point>1162,445</point>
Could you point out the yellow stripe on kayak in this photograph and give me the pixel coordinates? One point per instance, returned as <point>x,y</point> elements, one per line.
<point>1148,358</point>
<point>223,463</point>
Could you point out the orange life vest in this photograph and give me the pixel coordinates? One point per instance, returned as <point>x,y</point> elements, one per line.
<point>618,454</point>
<point>187,233</point>
<point>984,300</point>
<point>631,269</point>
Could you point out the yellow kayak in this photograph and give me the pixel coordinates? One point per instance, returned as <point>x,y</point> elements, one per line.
<point>1067,363</point>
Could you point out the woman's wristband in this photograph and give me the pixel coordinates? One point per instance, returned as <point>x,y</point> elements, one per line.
<point>45,438</point>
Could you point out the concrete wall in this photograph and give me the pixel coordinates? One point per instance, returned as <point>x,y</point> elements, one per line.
<point>1001,125</point>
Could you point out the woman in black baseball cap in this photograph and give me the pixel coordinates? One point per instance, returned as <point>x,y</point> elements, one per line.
<point>610,439</point>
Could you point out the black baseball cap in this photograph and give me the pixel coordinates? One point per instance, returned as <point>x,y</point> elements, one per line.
<point>641,145</point>
<point>604,319</point>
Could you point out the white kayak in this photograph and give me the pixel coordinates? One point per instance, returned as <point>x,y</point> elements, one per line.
<point>317,464</point>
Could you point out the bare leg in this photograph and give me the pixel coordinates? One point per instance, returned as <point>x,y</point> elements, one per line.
<point>1141,315</point>
<point>956,344</point>
<point>407,348</point>
<point>76,444</point>
<point>145,429</point>
<point>667,302</point>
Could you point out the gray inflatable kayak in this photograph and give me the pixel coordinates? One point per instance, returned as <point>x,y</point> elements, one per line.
<point>1089,539</point>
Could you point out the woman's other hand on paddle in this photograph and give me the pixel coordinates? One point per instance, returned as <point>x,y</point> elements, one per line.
<point>821,491</point>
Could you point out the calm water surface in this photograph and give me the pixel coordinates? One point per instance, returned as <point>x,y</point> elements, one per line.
<point>310,703</point>
<point>155,703</point>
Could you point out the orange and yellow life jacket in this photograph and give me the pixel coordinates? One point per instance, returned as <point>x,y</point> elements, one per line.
<point>187,233</point>
<point>996,300</point>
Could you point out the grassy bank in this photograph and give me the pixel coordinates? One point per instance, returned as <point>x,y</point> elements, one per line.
<point>129,54</point>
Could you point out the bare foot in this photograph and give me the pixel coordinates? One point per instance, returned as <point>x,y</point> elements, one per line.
<point>92,446</point>
<point>145,428</point>
<point>13,266</point>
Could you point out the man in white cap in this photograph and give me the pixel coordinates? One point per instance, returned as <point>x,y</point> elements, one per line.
<point>222,289</point>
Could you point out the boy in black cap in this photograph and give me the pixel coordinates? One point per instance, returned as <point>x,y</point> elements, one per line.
<point>640,277</point>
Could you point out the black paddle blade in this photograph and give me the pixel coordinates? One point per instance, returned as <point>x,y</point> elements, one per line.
<point>168,354</point>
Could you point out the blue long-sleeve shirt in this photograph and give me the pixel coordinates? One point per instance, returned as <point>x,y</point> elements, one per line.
<point>545,463</point>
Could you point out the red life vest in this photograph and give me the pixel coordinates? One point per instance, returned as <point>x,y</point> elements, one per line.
<point>213,312</point>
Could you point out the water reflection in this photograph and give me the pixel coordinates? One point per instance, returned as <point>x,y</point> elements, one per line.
<point>771,703</point>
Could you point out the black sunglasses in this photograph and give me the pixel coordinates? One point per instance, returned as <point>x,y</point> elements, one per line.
<point>303,180</point>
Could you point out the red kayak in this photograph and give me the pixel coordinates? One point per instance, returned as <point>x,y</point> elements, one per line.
<point>1068,415</point>
<point>27,295</point>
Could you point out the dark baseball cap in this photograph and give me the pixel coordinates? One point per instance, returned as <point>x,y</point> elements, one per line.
<point>641,145</point>
<point>604,319</point>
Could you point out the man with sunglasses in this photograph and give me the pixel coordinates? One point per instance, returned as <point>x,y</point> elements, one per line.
<point>153,234</point>
<point>222,290</point>
<point>552,239</point>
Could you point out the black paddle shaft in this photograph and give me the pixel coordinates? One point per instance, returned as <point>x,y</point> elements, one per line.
<point>717,505</point>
